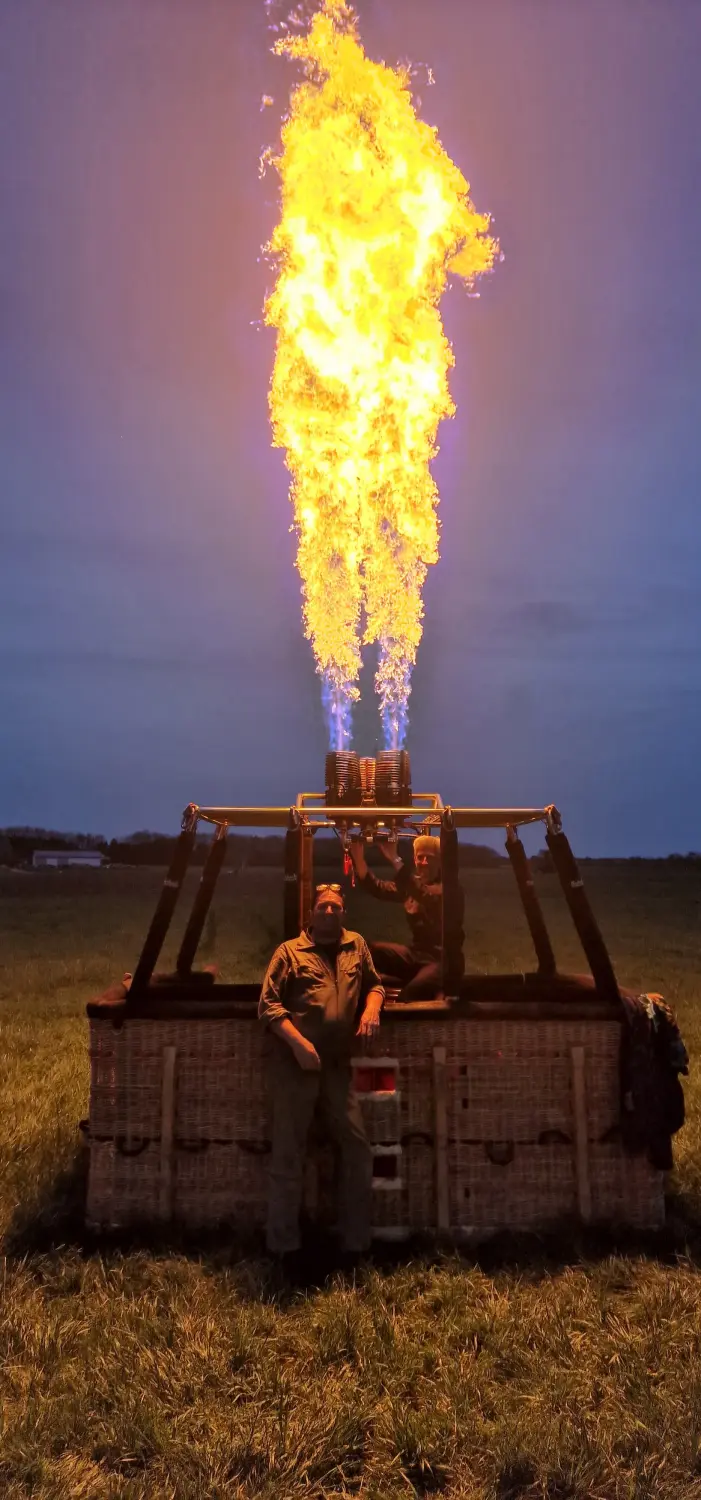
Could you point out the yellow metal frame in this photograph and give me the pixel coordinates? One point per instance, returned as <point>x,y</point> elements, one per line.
<point>426,808</point>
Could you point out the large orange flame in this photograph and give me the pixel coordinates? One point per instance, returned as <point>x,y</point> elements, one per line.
<point>374,217</point>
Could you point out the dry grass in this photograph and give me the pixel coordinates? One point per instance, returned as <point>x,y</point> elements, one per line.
<point>563,1372</point>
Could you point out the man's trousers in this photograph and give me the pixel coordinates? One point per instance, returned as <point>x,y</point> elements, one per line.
<point>295,1095</point>
<point>418,977</point>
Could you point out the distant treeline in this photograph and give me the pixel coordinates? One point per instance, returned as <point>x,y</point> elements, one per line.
<point>267,851</point>
<point>17,847</point>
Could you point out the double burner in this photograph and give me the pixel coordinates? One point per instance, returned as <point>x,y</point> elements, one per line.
<point>382,781</point>
<point>343,784</point>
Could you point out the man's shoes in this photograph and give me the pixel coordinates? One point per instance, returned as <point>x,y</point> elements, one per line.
<point>310,1266</point>
<point>294,1267</point>
<point>350,1261</point>
<point>304,1268</point>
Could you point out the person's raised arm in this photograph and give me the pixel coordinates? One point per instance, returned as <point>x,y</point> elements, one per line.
<point>357,854</point>
<point>382,890</point>
<point>389,849</point>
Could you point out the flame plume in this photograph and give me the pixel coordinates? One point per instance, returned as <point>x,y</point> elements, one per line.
<point>374,217</point>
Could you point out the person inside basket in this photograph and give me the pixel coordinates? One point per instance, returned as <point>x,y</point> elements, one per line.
<point>321,993</point>
<point>415,968</point>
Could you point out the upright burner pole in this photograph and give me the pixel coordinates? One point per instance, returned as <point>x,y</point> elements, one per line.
<point>202,902</point>
<point>531,905</point>
<point>306,876</point>
<point>453,936</point>
<point>293,872</point>
<point>167,901</point>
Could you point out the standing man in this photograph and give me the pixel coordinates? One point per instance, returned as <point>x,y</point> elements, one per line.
<point>320,992</point>
<point>418,968</point>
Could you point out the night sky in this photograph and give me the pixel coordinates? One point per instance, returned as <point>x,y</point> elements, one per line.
<point>151,649</point>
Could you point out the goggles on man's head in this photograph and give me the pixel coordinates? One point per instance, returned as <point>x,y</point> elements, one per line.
<point>337,888</point>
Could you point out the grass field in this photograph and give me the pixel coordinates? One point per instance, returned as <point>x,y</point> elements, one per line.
<point>571,1372</point>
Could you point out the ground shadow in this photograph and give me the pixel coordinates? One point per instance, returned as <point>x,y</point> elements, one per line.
<point>55,1218</point>
<point>56,1222</point>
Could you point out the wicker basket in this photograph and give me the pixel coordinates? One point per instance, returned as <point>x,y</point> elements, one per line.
<point>499,1123</point>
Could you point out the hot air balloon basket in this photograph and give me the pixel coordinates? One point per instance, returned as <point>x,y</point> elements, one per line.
<point>476,1124</point>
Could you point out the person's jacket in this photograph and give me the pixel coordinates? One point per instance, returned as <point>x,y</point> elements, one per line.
<point>322,999</point>
<point>652,1057</point>
<point>423,905</point>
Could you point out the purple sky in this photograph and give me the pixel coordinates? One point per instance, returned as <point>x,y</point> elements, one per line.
<point>151,650</point>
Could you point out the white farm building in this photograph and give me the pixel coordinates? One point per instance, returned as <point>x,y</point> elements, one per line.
<point>43,859</point>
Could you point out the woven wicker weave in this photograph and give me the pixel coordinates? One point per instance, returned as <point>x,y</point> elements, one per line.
<point>381,1117</point>
<point>224,1184</point>
<point>509,1123</point>
<point>625,1189</point>
<point>220,1094</point>
<point>507,1080</point>
<point>389,1205</point>
<point>122,1190</point>
<point>220,1184</point>
<point>538,1186</point>
<point>535,1187</point>
<point>419,1171</point>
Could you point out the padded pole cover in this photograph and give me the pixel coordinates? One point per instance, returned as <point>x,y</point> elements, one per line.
<point>531,906</point>
<point>202,902</point>
<point>162,916</point>
<point>453,907</point>
<point>582,915</point>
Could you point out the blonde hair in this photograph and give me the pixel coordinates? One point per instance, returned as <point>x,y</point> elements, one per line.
<point>427,843</point>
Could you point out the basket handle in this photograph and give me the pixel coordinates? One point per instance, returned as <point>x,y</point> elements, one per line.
<point>135,1150</point>
<point>501,1153</point>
